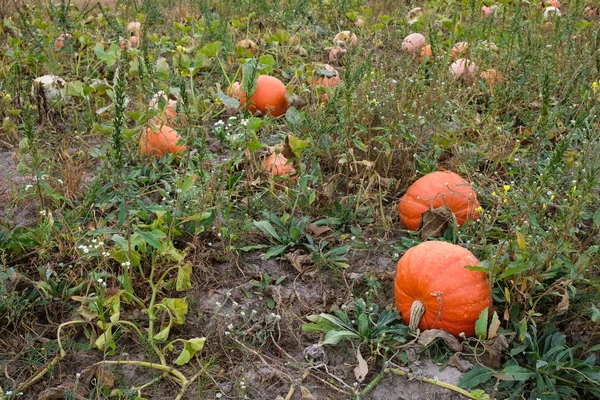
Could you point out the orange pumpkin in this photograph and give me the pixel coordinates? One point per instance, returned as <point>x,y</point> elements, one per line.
<point>318,79</point>
<point>426,54</point>
<point>434,190</point>
<point>268,97</point>
<point>347,37</point>
<point>248,45</point>
<point>157,141</point>
<point>434,290</point>
<point>277,165</point>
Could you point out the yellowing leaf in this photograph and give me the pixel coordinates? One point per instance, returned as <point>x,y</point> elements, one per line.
<point>183,278</point>
<point>190,348</point>
<point>494,325</point>
<point>179,309</point>
<point>521,241</point>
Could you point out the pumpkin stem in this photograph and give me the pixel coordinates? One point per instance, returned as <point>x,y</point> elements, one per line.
<point>416,313</point>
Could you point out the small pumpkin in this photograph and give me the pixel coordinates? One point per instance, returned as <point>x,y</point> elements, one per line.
<point>59,43</point>
<point>329,77</point>
<point>269,97</point>
<point>434,290</point>
<point>426,54</point>
<point>463,70</point>
<point>158,141</point>
<point>413,43</point>
<point>347,37</point>
<point>460,49</point>
<point>435,190</point>
<point>336,53</point>
<point>277,165</point>
<point>248,45</point>
<point>170,111</point>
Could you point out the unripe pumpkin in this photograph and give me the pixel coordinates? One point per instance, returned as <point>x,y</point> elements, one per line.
<point>434,290</point>
<point>435,190</point>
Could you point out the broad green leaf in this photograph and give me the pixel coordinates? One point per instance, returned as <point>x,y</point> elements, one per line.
<point>515,373</point>
<point>482,324</point>
<point>475,377</point>
<point>267,228</point>
<point>276,250</point>
<point>187,183</point>
<point>75,88</point>
<point>211,49</point>
<point>179,309</point>
<point>183,278</point>
<point>153,237</point>
<point>191,347</point>
<point>228,101</point>
<point>104,339</point>
<point>595,317</point>
<point>334,337</point>
<point>169,250</point>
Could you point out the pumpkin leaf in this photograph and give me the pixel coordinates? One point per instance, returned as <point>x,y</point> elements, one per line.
<point>179,309</point>
<point>482,324</point>
<point>190,348</point>
<point>183,278</point>
<point>521,241</point>
<point>475,377</point>
<point>434,222</point>
<point>430,335</point>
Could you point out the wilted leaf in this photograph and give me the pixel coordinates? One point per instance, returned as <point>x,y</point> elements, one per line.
<point>494,325</point>
<point>434,221</point>
<point>190,348</point>
<point>59,392</point>
<point>179,309</point>
<point>564,303</point>
<point>521,241</point>
<point>460,364</point>
<point>302,262</point>
<point>361,371</point>
<point>427,337</point>
<point>319,231</point>
<point>306,394</point>
<point>100,377</point>
<point>496,346</point>
<point>183,278</point>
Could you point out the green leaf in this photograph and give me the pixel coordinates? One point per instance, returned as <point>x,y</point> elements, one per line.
<point>190,348</point>
<point>595,317</point>
<point>211,49</point>
<point>482,324</point>
<point>183,278</point>
<point>153,237</point>
<point>515,373</point>
<point>75,88</point>
<point>267,228</point>
<point>334,337</point>
<point>474,377</point>
<point>597,219</point>
<point>276,250</point>
<point>187,183</point>
<point>179,309</point>
<point>163,334</point>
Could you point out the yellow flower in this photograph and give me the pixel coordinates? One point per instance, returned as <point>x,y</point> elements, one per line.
<point>506,188</point>
<point>181,49</point>
<point>494,194</point>
<point>480,209</point>
<point>595,87</point>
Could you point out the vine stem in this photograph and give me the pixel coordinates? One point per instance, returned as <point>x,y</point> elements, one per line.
<point>432,381</point>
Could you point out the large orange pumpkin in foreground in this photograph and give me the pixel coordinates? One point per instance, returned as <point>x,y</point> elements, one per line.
<point>434,290</point>
<point>157,141</point>
<point>435,190</point>
<point>268,97</point>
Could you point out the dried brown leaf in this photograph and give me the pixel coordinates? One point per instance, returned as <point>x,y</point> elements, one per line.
<point>299,260</point>
<point>361,371</point>
<point>496,346</point>
<point>319,232</point>
<point>459,363</point>
<point>564,302</point>
<point>97,376</point>
<point>434,221</point>
<point>306,394</point>
<point>494,325</point>
<point>427,337</point>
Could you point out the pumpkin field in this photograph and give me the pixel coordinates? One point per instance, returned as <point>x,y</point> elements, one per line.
<point>299,199</point>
